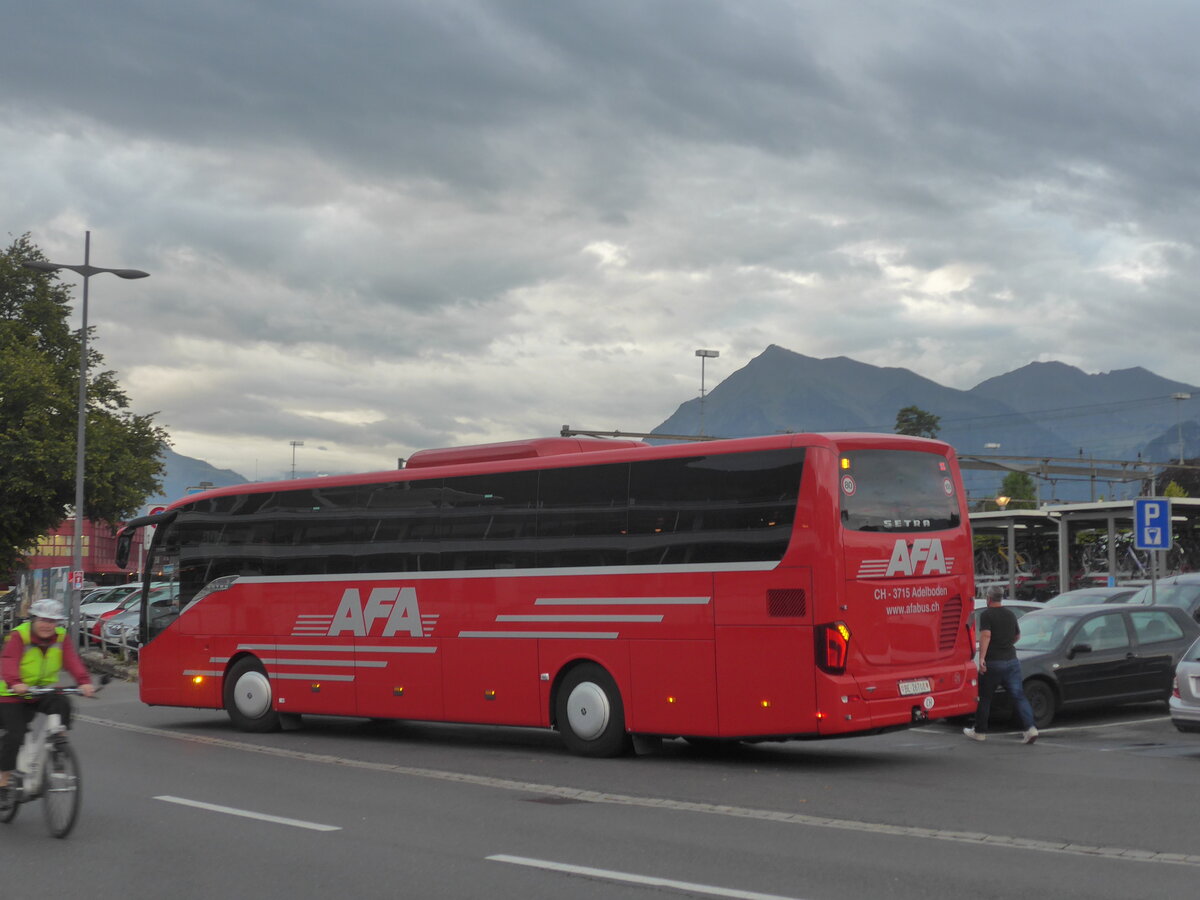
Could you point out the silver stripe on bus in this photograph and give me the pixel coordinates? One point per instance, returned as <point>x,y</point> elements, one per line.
<point>330,648</point>
<point>352,663</point>
<point>214,673</point>
<point>310,676</point>
<point>622,601</point>
<point>602,635</point>
<point>457,575</point>
<point>566,618</point>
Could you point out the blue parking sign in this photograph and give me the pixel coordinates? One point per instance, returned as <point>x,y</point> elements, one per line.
<point>1152,523</point>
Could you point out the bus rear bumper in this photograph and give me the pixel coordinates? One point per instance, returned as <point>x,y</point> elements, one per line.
<point>847,704</point>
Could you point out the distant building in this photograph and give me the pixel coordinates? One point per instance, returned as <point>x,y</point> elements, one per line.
<point>99,547</point>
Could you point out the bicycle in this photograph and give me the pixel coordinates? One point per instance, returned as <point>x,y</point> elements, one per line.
<point>48,769</point>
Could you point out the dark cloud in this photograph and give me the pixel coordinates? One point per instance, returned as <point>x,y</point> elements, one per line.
<point>380,226</point>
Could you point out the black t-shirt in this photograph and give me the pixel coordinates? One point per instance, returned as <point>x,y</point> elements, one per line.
<point>1002,623</point>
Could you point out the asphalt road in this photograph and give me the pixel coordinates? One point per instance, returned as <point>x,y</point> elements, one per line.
<point>179,804</point>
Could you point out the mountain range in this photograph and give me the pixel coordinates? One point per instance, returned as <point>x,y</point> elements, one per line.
<point>1044,409</point>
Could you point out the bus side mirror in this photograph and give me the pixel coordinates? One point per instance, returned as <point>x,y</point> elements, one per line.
<point>124,544</point>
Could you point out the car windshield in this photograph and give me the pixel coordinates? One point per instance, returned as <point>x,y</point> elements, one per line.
<point>1180,595</point>
<point>1044,630</point>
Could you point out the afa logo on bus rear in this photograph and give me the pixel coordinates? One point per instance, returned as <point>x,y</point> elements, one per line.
<point>923,556</point>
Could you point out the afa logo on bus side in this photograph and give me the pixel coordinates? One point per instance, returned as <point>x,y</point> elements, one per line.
<point>924,550</point>
<point>398,606</point>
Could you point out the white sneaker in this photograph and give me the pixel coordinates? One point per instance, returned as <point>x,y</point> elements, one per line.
<point>974,735</point>
<point>1029,736</point>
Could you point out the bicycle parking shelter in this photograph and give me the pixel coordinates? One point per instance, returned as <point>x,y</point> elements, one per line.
<point>1062,524</point>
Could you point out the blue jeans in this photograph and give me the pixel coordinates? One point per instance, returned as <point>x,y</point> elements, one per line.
<point>1005,672</point>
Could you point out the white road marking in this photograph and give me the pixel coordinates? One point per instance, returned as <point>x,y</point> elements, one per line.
<point>247,814</point>
<point>629,878</point>
<point>978,839</point>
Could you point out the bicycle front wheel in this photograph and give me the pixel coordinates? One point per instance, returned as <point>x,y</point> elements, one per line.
<point>9,804</point>
<point>62,789</point>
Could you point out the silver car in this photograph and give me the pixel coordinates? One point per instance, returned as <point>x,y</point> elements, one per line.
<point>1185,699</point>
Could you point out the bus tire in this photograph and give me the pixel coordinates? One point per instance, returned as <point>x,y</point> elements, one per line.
<point>1042,701</point>
<point>589,713</point>
<point>248,697</point>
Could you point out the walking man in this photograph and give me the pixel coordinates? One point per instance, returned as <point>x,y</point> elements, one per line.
<point>998,665</point>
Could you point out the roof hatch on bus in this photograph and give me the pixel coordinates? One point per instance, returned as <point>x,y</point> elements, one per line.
<point>529,449</point>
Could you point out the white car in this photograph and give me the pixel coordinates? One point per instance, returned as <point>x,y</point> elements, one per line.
<point>108,600</point>
<point>1185,698</point>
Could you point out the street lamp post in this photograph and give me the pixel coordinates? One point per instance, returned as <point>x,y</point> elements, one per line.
<point>704,354</point>
<point>87,270</point>
<point>1179,419</point>
<point>295,444</point>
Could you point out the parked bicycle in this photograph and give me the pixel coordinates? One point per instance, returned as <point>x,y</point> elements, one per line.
<point>47,769</point>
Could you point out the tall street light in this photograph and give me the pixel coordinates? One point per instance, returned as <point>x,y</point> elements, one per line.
<point>295,444</point>
<point>87,270</point>
<point>704,354</point>
<point>1179,419</point>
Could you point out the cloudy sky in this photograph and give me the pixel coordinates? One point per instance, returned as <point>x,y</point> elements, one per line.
<point>379,225</point>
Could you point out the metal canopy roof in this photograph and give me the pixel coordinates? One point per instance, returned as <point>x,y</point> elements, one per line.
<point>1046,466</point>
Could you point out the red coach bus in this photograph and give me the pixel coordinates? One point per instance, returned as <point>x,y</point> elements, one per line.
<point>773,588</point>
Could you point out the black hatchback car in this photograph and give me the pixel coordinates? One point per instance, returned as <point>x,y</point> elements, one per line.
<point>1176,590</point>
<point>1080,656</point>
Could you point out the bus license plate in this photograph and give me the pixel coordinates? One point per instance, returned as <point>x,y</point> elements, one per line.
<point>920,686</point>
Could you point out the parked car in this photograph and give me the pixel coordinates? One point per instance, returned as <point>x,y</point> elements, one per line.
<point>1185,699</point>
<point>9,603</point>
<point>123,628</point>
<point>1019,607</point>
<point>93,621</point>
<point>93,607</point>
<point>1175,590</point>
<point>97,594</point>
<point>1084,656</point>
<point>1091,595</point>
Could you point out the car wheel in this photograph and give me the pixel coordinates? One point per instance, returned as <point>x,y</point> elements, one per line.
<point>248,697</point>
<point>589,713</point>
<point>1041,699</point>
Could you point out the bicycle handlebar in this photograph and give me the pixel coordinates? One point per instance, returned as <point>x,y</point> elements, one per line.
<point>41,691</point>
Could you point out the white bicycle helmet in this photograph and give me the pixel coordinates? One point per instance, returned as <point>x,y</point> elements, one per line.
<point>47,609</point>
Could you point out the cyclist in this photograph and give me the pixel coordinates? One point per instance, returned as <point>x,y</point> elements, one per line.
<point>33,655</point>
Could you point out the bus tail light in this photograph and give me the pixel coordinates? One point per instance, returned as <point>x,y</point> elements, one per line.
<point>833,647</point>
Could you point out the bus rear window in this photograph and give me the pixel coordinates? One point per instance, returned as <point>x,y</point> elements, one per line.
<point>897,490</point>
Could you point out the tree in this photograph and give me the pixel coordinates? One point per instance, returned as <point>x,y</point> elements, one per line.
<point>1020,490</point>
<point>913,420</point>
<point>1174,489</point>
<point>39,396</point>
<point>1186,479</point>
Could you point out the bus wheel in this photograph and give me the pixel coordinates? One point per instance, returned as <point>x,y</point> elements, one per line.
<point>1041,699</point>
<point>589,713</point>
<point>248,697</point>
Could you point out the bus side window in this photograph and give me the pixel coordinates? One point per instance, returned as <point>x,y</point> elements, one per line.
<point>583,516</point>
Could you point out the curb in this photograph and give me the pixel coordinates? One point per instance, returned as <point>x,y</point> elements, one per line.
<point>107,665</point>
